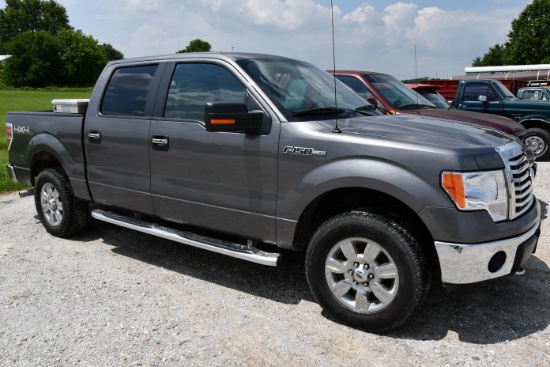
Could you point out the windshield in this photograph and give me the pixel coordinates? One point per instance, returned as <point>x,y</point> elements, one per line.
<point>505,92</point>
<point>398,94</point>
<point>435,98</point>
<point>303,92</point>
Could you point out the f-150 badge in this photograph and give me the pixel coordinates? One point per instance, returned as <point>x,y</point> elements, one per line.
<point>303,151</point>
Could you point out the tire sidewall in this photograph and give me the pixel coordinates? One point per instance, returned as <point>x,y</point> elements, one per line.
<point>54,178</point>
<point>406,300</point>
<point>544,136</point>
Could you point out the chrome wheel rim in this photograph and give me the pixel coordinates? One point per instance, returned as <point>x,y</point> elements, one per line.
<point>52,207</point>
<point>536,144</point>
<point>361,275</point>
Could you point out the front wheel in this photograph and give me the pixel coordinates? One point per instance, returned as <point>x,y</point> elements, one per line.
<point>61,213</point>
<point>367,270</point>
<point>538,140</point>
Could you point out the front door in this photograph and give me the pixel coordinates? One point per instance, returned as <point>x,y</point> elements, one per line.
<point>225,181</point>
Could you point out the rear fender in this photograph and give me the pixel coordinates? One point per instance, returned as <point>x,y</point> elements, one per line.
<point>73,166</point>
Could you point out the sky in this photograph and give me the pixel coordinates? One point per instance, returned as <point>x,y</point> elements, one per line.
<point>437,38</point>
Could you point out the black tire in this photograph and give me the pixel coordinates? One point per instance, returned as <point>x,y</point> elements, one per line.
<point>366,270</point>
<point>61,213</point>
<point>538,140</point>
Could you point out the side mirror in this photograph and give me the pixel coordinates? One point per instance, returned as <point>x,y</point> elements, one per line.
<point>231,117</point>
<point>482,98</point>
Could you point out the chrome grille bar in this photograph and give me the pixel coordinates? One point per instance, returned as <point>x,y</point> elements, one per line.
<point>519,178</point>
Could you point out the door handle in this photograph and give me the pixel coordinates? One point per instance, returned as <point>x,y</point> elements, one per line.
<point>94,137</point>
<point>160,142</point>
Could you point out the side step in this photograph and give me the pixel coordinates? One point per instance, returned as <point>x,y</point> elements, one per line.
<point>188,238</point>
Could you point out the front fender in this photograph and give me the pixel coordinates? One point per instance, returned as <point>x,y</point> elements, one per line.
<point>396,181</point>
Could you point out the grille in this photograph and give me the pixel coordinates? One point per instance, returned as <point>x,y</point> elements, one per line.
<point>518,175</point>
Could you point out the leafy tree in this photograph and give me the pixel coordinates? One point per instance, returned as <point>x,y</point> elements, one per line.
<point>31,15</point>
<point>2,78</point>
<point>111,53</point>
<point>495,56</point>
<point>40,59</point>
<point>528,41</point>
<point>82,57</point>
<point>34,61</point>
<point>197,45</point>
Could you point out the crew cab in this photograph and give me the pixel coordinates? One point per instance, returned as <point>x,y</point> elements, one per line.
<point>492,97</point>
<point>248,154</point>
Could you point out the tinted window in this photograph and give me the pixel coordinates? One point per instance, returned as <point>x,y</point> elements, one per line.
<point>127,91</point>
<point>472,91</point>
<point>195,84</point>
<point>356,85</point>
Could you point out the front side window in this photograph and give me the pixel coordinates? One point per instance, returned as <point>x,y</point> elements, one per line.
<point>128,90</point>
<point>194,84</point>
<point>472,91</point>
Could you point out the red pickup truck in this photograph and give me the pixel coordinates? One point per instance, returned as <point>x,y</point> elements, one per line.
<point>395,97</point>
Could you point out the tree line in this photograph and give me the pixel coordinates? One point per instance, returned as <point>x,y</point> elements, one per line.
<point>45,49</point>
<point>528,41</point>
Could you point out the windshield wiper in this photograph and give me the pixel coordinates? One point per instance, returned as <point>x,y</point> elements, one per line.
<point>321,111</point>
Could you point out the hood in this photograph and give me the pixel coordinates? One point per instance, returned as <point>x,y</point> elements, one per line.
<point>501,123</point>
<point>422,130</point>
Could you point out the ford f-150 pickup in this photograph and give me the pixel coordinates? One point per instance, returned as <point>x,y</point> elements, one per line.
<point>247,154</point>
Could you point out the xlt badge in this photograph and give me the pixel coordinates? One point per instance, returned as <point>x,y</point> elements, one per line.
<point>303,151</point>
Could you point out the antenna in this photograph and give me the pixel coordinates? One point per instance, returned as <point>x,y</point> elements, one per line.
<point>336,129</point>
<point>416,79</point>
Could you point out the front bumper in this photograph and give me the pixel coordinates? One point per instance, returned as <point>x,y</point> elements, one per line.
<point>470,263</point>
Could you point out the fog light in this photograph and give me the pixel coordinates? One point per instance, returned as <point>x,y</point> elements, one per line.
<point>497,261</point>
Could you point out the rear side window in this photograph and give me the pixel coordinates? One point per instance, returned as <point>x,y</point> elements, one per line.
<point>127,91</point>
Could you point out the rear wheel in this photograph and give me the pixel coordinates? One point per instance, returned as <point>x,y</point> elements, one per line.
<point>61,213</point>
<point>538,140</point>
<point>366,270</point>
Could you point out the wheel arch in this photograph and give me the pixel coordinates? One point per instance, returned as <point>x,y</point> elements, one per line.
<point>341,200</point>
<point>537,123</point>
<point>46,151</point>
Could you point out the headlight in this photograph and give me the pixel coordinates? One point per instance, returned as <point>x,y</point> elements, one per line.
<point>478,191</point>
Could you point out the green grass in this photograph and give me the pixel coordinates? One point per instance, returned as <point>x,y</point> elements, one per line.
<point>27,100</point>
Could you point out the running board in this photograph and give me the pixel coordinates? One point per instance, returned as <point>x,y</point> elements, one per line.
<point>238,251</point>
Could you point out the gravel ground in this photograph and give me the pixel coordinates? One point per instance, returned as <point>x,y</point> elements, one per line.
<point>114,297</point>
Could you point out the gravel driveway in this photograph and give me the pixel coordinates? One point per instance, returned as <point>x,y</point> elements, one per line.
<point>113,297</point>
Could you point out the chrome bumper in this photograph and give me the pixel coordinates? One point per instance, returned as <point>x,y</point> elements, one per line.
<point>471,263</point>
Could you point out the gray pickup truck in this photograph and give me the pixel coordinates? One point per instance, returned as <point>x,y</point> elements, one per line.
<point>249,154</point>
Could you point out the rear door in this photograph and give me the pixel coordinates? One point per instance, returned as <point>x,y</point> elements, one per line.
<point>116,138</point>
